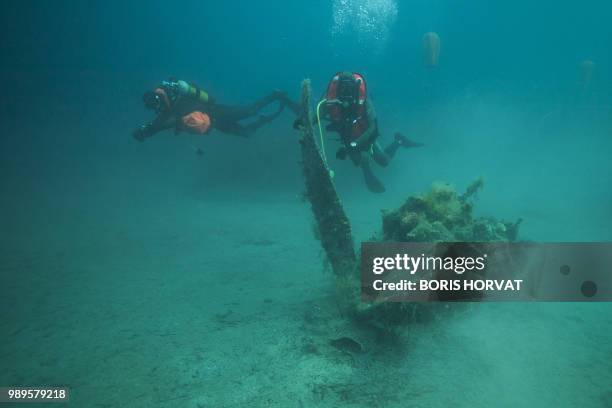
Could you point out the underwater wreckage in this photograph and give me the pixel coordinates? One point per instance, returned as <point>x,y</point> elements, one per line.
<point>440,215</point>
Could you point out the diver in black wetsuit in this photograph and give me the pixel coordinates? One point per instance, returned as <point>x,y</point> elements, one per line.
<point>183,106</point>
<point>352,116</point>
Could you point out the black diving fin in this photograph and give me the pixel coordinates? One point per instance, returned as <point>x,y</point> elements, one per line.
<point>405,142</point>
<point>372,182</point>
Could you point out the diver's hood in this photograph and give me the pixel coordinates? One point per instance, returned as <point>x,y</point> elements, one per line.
<point>151,100</point>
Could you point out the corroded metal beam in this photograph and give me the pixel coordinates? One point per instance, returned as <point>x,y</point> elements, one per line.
<point>332,222</point>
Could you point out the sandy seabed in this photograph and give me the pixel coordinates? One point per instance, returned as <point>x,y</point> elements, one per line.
<point>227,304</point>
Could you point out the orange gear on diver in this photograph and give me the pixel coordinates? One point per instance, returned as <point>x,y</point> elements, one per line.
<point>197,122</point>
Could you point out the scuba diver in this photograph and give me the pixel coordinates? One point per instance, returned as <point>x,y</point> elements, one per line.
<point>182,106</point>
<point>352,116</point>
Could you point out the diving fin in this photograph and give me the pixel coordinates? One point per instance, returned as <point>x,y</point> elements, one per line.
<point>373,184</point>
<point>405,142</point>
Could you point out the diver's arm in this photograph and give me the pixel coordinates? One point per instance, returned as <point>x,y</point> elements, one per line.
<point>324,112</point>
<point>370,133</point>
<point>162,122</point>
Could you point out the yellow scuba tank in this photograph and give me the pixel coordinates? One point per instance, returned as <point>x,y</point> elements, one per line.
<point>192,91</point>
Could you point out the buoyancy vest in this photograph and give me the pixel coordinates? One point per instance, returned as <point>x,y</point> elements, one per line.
<point>354,116</point>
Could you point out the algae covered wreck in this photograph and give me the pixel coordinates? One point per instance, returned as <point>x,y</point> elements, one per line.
<point>439,215</point>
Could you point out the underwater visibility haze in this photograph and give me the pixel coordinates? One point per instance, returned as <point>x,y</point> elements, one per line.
<point>148,262</point>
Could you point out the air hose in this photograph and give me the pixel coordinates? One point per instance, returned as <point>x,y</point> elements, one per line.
<point>322,138</point>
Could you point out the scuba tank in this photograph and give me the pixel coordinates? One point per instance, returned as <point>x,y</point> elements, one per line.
<point>186,89</point>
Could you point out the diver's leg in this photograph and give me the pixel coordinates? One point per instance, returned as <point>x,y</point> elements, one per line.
<point>235,128</point>
<point>391,149</point>
<point>263,119</point>
<point>239,130</point>
<point>293,106</point>
<point>237,113</point>
<point>371,181</point>
<point>400,140</point>
<point>275,96</point>
<point>232,128</point>
<point>380,157</point>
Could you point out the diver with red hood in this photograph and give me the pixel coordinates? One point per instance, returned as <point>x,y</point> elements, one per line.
<point>183,106</point>
<point>351,113</point>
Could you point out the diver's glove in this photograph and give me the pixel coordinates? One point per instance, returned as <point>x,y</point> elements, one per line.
<point>298,124</point>
<point>343,151</point>
<point>141,133</point>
